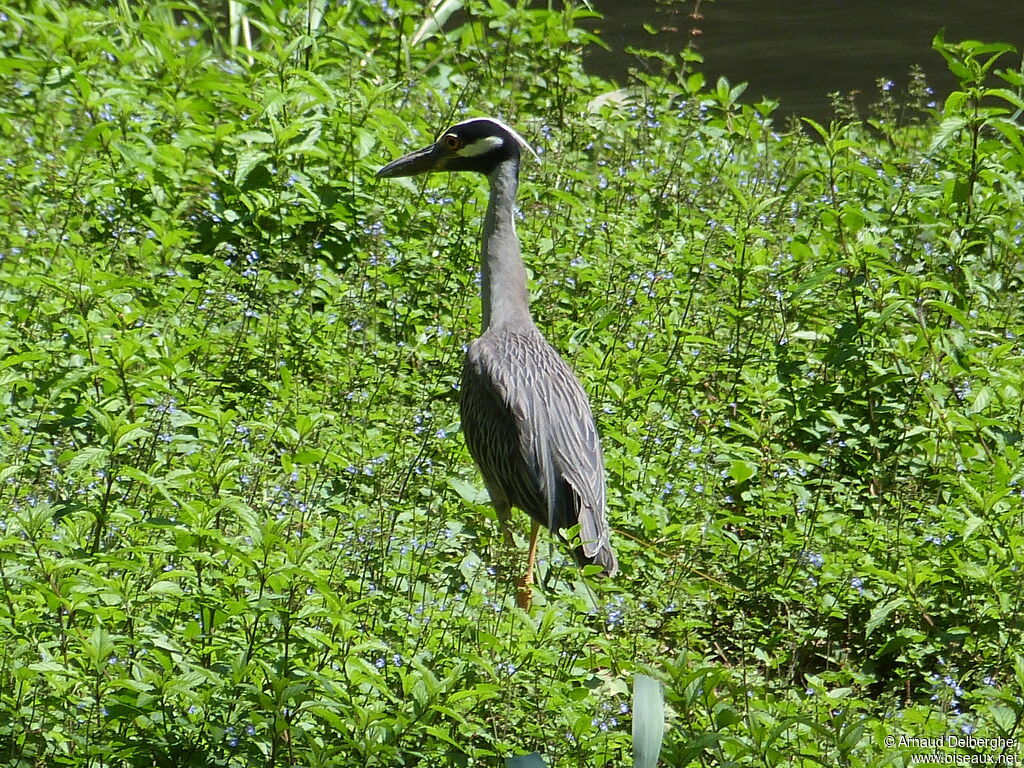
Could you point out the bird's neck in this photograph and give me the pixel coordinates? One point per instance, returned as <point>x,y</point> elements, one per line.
<point>503,276</point>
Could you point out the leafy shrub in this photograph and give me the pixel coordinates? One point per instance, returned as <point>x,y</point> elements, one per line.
<point>237,524</point>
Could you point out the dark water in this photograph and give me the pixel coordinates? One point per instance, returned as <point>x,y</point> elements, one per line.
<point>799,51</point>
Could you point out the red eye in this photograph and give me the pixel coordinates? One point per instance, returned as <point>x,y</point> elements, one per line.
<point>452,141</point>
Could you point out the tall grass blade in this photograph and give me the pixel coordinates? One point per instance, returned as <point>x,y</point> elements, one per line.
<point>648,721</point>
<point>236,11</point>
<point>438,12</point>
<point>532,760</point>
<point>314,15</point>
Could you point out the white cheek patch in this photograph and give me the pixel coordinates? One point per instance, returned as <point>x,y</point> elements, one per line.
<point>480,146</point>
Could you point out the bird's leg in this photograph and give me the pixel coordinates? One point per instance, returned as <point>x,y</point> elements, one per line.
<point>507,560</point>
<point>524,587</point>
<point>505,521</point>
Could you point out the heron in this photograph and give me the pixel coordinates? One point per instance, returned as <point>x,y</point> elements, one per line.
<point>525,417</point>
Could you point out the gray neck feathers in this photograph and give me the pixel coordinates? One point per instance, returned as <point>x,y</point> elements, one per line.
<point>503,276</point>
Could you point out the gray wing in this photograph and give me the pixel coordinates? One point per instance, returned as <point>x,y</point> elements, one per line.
<point>529,427</point>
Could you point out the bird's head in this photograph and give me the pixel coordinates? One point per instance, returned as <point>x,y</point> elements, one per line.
<point>478,144</point>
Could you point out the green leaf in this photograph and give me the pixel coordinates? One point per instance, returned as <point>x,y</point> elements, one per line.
<point>948,129</point>
<point>741,470</point>
<point>255,137</point>
<point>982,399</point>
<point>93,456</point>
<point>170,588</point>
<point>474,494</point>
<point>972,493</point>
<point>20,358</point>
<point>880,613</point>
<point>958,315</point>
<point>246,160</point>
<point>309,456</point>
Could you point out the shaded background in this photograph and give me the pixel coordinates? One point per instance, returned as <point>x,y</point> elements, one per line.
<point>801,50</point>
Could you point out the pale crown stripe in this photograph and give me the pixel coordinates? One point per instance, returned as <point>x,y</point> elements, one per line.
<point>480,147</point>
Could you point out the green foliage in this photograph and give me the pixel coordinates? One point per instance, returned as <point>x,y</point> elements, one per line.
<point>237,526</point>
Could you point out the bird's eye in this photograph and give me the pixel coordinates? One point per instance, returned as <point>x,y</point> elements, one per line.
<point>452,141</point>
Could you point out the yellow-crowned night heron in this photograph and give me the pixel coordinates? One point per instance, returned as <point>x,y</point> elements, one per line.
<point>526,418</point>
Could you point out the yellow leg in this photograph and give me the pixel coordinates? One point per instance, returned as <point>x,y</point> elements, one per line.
<point>524,587</point>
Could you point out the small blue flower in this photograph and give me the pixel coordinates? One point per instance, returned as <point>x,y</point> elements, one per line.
<point>814,559</point>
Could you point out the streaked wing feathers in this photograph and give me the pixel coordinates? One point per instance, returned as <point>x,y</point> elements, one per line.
<point>529,427</point>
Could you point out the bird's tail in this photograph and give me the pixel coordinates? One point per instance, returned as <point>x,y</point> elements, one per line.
<point>605,557</point>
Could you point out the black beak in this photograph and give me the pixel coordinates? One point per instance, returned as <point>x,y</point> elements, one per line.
<point>420,161</point>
